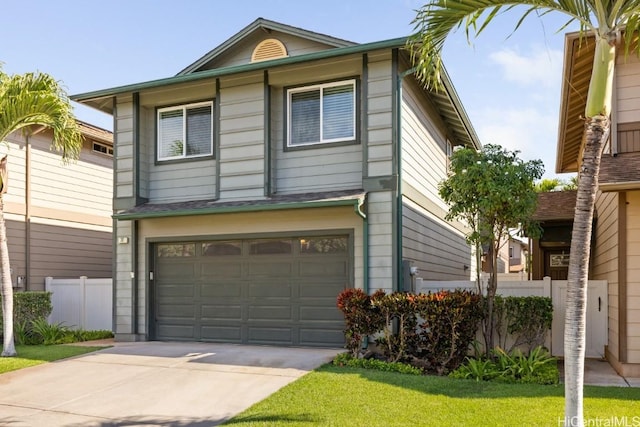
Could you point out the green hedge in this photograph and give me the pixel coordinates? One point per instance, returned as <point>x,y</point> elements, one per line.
<point>29,306</point>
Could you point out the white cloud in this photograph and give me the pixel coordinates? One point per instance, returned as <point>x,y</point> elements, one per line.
<point>539,65</point>
<point>530,131</point>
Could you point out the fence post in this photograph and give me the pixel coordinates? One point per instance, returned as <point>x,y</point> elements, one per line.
<point>547,286</point>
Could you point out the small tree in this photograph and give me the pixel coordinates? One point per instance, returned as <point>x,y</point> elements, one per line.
<point>492,190</point>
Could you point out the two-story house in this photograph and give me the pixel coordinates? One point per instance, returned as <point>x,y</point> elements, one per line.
<point>58,216</point>
<point>269,175</point>
<point>615,253</point>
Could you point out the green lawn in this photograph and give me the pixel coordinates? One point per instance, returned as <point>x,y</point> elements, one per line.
<point>334,396</point>
<point>31,355</point>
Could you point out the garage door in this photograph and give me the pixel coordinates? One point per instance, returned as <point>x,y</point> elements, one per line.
<point>279,291</point>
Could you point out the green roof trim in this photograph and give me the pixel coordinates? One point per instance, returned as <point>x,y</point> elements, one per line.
<point>258,66</point>
<point>356,202</point>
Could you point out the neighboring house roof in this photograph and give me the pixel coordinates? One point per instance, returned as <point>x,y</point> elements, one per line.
<point>578,63</point>
<point>206,207</point>
<point>446,101</point>
<point>555,205</point>
<point>95,133</point>
<point>620,172</point>
<point>266,25</point>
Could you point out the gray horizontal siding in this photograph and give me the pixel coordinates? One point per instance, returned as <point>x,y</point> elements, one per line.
<point>68,252</point>
<point>439,252</point>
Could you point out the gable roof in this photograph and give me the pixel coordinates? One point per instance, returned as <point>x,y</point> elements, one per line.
<point>447,101</point>
<point>266,25</point>
<point>576,76</point>
<point>620,172</point>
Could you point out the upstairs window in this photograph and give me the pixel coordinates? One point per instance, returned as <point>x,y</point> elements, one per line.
<point>321,114</point>
<point>185,131</point>
<point>102,148</point>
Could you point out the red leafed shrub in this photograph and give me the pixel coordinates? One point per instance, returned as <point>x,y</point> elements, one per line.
<point>449,324</point>
<point>398,311</point>
<point>361,318</point>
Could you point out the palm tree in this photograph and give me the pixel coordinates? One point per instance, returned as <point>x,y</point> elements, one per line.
<point>30,102</point>
<point>612,23</point>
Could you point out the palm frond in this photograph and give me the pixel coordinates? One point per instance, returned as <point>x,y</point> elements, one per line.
<point>37,99</point>
<point>438,18</point>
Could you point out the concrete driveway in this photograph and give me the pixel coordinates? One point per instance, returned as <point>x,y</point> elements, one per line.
<point>152,384</point>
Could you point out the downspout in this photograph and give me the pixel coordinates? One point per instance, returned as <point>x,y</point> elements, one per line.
<point>398,117</point>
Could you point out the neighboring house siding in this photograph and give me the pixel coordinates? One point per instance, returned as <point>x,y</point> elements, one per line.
<point>627,107</point>
<point>633,276</point>
<point>605,259</point>
<point>438,250</point>
<point>242,137</point>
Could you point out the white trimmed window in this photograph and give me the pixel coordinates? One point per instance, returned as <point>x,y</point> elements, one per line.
<point>102,148</point>
<point>185,131</point>
<point>321,114</point>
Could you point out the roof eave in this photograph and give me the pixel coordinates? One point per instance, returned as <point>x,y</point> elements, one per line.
<point>99,96</point>
<point>356,202</point>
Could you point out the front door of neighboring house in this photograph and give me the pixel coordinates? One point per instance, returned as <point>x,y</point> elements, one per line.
<point>556,263</point>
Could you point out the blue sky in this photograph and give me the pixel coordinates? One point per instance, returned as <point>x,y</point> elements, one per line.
<point>508,83</point>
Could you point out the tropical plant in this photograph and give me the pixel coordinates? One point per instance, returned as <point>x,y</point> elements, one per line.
<point>491,190</point>
<point>30,103</point>
<point>613,24</point>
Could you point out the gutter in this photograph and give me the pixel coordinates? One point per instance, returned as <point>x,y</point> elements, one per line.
<point>356,202</point>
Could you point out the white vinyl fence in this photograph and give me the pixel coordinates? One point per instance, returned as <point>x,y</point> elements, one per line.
<point>597,306</point>
<point>81,303</point>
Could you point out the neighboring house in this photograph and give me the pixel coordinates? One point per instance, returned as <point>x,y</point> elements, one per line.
<point>58,216</point>
<point>269,175</point>
<point>518,255</point>
<point>550,252</point>
<point>616,241</point>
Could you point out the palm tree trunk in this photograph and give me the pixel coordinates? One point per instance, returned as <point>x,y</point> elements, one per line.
<point>8,348</point>
<point>596,135</point>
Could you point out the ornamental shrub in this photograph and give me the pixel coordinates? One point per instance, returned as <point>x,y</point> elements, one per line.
<point>525,319</point>
<point>30,306</point>
<point>399,311</point>
<point>450,321</point>
<point>361,317</point>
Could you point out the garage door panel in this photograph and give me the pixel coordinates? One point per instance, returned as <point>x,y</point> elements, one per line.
<point>270,312</point>
<point>324,268</point>
<point>269,335</point>
<point>270,289</point>
<point>321,337</point>
<point>176,310</point>
<point>177,290</point>
<point>176,332</point>
<point>319,314</point>
<point>220,290</point>
<point>220,269</point>
<point>270,268</point>
<point>221,312</point>
<point>232,334</point>
<point>319,289</point>
<point>168,269</point>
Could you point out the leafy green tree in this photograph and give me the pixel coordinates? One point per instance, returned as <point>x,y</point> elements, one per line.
<point>30,103</point>
<point>614,24</point>
<point>492,190</point>
<point>547,185</point>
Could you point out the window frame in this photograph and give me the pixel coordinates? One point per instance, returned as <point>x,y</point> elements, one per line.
<point>290,90</point>
<point>108,148</point>
<point>184,107</point>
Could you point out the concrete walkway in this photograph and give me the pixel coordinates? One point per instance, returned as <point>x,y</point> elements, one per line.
<point>152,383</point>
<point>599,372</point>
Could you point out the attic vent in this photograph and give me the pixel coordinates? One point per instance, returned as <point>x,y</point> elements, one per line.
<point>269,49</point>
